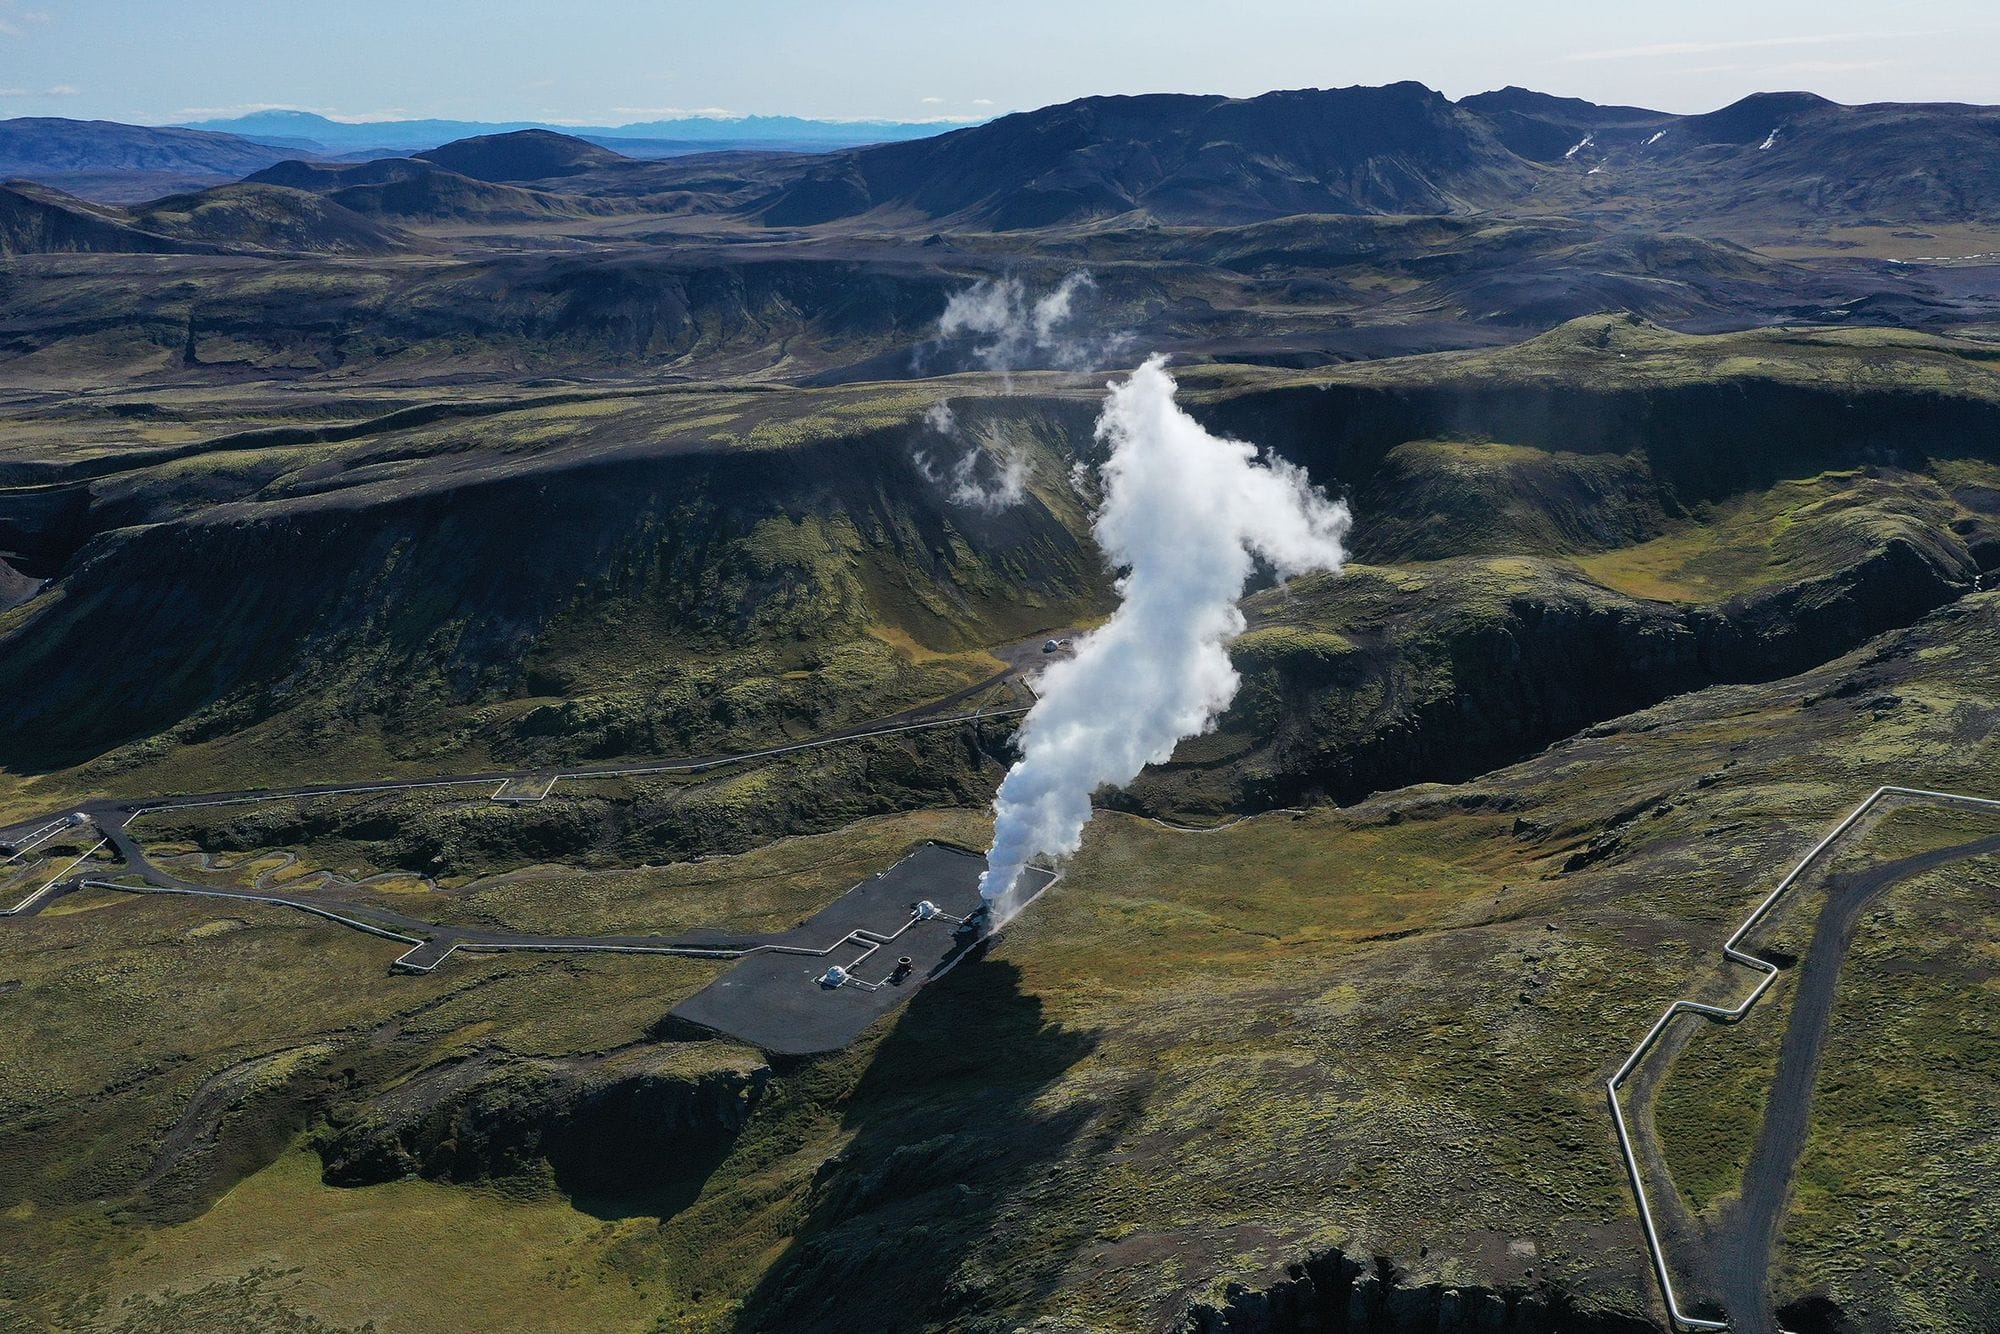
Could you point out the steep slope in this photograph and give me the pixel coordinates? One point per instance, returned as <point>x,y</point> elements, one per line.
<point>269,217</point>
<point>524,155</point>
<point>599,311</point>
<point>1515,278</point>
<point>1399,149</point>
<point>325,177</point>
<point>15,587</point>
<point>41,146</point>
<point>35,220</point>
<point>1750,120</point>
<point>446,196</point>
<point>1543,128</point>
<point>1929,163</point>
<point>1714,509</point>
<point>1770,164</point>
<point>416,190</point>
<point>771,565</point>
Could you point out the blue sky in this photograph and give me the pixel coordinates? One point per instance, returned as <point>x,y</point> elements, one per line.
<point>612,61</point>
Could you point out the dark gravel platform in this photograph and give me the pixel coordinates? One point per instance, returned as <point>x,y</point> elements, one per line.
<point>775,1001</point>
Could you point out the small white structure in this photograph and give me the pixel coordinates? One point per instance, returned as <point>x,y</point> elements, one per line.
<point>925,910</point>
<point>833,977</point>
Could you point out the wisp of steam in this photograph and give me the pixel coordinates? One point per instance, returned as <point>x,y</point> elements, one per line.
<point>1019,329</point>
<point>1186,515</point>
<point>961,479</point>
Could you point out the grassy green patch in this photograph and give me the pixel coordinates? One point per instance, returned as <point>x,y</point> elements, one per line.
<point>1796,530</point>
<point>1899,1165</point>
<point>1709,1106</point>
<point>281,1249</point>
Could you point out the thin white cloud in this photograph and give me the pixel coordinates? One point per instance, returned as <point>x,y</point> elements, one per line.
<point>678,113</point>
<point>1655,50</point>
<point>720,113</point>
<point>64,90</point>
<point>251,108</point>
<point>931,101</point>
<point>1794,67</point>
<point>15,21</point>
<point>228,113</point>
<point>982,101</point>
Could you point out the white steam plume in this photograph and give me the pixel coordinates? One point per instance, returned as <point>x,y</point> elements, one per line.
<point>1018,330</point>
<point>1185,514</point>
<point>1052,311</point>
<point>961,478</point>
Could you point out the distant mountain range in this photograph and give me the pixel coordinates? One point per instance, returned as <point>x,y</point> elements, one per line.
<point>1399,149</point>
<point>1769,163</point>
<point>35,146</point>
<point>652,138</point>
<point>117,163</point>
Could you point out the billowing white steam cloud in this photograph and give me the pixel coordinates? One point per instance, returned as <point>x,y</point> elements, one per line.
<point>1019,331</point>
<point>961,478</point>
<point>1185,514</point>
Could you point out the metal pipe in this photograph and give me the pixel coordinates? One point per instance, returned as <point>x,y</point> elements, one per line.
<point>1731,1014</point>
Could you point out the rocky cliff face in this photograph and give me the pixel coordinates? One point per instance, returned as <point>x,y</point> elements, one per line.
<point>637,1122</point>
<point>1374,680</point>
<point>630,589</point>
<point>1503,596</point>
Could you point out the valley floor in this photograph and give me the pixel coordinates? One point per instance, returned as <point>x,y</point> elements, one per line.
<point>1313,1031</point>
<point>1203,1058</point>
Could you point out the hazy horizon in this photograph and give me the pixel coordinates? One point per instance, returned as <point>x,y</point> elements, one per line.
<point>618,62</point>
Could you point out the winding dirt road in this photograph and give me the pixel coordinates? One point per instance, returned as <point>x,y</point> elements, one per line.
<point>1738,1247</point>
<point>1741,1242</point>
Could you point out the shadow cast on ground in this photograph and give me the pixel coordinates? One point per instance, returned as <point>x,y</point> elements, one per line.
<point>912,1226</point>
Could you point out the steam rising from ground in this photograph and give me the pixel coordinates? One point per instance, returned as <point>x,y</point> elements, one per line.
<point>1008,468</point>
<point>1185,514</point>
<point>1019,331</point>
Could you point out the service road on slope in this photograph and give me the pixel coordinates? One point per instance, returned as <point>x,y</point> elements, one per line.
<point>1740,1246</point>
